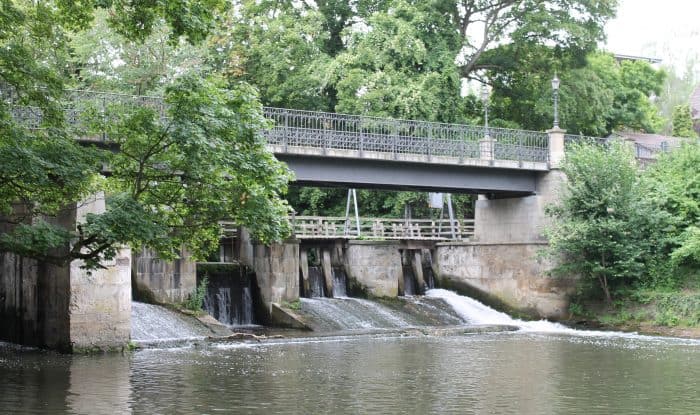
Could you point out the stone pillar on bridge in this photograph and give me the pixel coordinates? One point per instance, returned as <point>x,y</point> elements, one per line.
<point>503,264</point>
<point>66,307</point>
<point>556,147</point>
<point>487,148</point>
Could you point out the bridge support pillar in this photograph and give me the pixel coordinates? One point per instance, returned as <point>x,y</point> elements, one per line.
<point>503,265</point>
<point>65,307</point>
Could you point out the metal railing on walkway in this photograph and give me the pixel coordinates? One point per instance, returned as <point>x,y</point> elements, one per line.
<point>318,227</point>
<point>323,131</point>
<point>364,134</point>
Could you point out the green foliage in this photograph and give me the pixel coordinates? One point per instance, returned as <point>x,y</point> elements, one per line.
<point>597,96</point>
<point>627,230</point>
<point>604,228</point>
<point>674,185</point>
<point>173,179</point>
<point>682,122</point>
<point>104,60</point>
<point>294,305</point>
<point>196,299</point>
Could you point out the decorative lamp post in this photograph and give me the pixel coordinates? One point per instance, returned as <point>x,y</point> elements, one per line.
<point>485,101</point>
<point>555,91</point>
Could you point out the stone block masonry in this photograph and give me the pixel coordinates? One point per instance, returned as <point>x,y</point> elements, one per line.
<point>164,281</point>
<point>66,308</point>
<point>376,265</point>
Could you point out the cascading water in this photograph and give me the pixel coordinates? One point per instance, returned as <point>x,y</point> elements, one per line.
<point>332,314</point>
<point>229,297</point>
<point>316,283</point>
<point>340,283</point>
<point>154,323</point>
<point>409,281</point>
<point>474,312</point>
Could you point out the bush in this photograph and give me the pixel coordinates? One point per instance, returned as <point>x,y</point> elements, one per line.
<point>196,299</point>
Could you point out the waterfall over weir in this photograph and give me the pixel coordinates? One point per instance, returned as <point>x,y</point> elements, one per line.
<point>155,323</point>
<point>340,314</point>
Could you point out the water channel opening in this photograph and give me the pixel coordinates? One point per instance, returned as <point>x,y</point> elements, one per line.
<point>340,282</point>
<point>316,283</point>
<point>231,293</point>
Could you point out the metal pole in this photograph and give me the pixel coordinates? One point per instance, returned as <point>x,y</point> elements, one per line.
<point>486,120</point>
<point>556,108</point>
<point>357,212</point>
<point>347,214</point>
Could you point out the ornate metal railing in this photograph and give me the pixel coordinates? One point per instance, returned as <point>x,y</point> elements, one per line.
<point>317,227</point>
<point>326,131</point>
<point>364,134</point>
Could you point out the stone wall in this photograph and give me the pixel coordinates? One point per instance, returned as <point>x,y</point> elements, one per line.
<point>277,272</point>
<point>376,265</point>
<point>65,307</point>
<point>164,281</point>
<point>510,275</point>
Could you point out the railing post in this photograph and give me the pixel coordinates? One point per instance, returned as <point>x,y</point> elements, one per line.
<point>430,141</point>
<point>520,150</point>
<point>104,118</point>
<point>394,143</point>
<point>362,139</point>
<point>325,137</point>
<point>285,137</point>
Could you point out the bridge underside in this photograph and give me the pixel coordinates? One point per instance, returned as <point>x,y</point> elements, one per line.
<point>401,175</point>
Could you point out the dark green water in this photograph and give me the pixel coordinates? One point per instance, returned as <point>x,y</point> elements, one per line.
<point>506,373</point>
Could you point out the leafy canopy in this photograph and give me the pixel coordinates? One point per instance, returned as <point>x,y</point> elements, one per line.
<point>174,177</point>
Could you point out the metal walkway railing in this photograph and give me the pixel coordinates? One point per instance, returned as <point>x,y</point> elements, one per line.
<point>363,135</point>
<point>318,227</point>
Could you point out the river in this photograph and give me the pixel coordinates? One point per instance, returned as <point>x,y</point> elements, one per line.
<point>536,370</point>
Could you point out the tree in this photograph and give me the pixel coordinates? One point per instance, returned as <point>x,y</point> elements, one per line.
<point>104,60</point>
<point>673,183</point>
<point>595,99</point>
<point>172,179</point>
<point>682,122</point>
<point>604,228</point>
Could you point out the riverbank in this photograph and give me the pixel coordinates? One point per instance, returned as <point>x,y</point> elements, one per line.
<point>653,312</point>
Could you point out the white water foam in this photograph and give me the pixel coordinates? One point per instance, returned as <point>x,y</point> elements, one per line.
<point>475,312</point>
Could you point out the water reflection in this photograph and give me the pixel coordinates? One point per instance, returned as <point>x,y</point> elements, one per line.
<point>99,385</point>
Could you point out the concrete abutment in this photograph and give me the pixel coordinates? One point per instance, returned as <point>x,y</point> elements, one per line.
<point>66,307</point>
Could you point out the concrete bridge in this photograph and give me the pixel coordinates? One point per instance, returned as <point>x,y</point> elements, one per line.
<point>369,152</point>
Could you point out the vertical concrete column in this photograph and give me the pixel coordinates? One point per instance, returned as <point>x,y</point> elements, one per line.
<point>327,268</point>
<point>66,307</point>
<point>304,268</point>
<point>277,272</point>
<point>417,265</point>
<point>556,147</point>
<point>100,301</point>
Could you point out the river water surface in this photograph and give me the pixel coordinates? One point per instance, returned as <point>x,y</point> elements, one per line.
<point>540,369</point>
<point>505,373</point>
